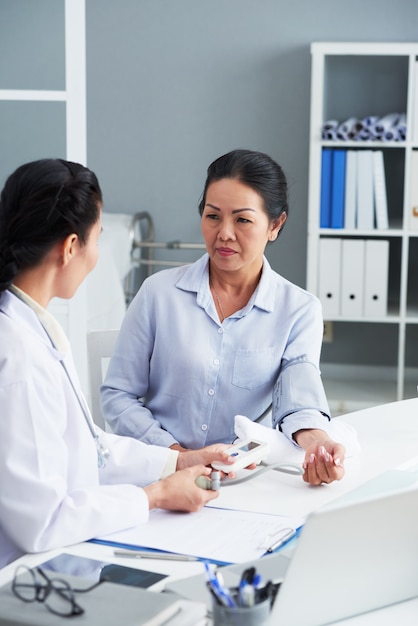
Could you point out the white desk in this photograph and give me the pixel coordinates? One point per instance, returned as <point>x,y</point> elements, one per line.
<point>388,435</point>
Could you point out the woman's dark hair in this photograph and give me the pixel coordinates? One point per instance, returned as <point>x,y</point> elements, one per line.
<point>41,204</point>
<point>258,171</point>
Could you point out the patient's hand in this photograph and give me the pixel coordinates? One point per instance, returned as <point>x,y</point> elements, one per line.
<point>324,458</point>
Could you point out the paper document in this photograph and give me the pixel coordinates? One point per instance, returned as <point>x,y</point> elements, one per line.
<point>216,534</point>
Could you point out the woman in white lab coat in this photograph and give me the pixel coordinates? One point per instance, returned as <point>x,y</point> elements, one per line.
<point>62,479</point>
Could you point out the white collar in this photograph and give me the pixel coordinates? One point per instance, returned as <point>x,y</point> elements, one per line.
<point>48,321</point>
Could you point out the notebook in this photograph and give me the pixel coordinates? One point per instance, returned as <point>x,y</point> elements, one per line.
<point>107,605</point>
<point>351,557</point>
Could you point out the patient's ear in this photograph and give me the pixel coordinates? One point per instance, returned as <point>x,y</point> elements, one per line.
<point>276,226</point>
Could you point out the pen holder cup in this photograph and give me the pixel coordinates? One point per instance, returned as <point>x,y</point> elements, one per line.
<point>256,615</point>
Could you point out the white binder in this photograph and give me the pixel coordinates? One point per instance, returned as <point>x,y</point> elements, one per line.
<point>329,278</point>
<point>380,196</point>
<point>350,201</point>
<point>365,190</point>
<point>376,277</point>
<point>415,106</point>
<point>352,277</point>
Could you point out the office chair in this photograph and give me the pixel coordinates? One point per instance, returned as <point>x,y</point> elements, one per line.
<point>100,345</point>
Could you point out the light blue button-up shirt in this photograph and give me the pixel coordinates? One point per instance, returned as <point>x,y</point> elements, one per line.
<point>179,375</point>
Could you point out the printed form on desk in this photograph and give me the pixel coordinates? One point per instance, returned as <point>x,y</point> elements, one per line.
<point>222,535</point>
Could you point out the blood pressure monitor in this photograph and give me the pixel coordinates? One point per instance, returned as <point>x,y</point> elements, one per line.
<point>245,453</point>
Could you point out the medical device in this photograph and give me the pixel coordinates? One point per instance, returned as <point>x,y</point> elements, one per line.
<point>245,453</point>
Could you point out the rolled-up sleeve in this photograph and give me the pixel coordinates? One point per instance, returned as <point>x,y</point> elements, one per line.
<point>299,399</point>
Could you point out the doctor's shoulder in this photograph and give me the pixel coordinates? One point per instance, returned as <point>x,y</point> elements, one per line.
<point>20,343</point>
<point>15,353</point>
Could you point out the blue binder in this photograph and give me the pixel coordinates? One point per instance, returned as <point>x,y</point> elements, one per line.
<point>338,188</point>
<point>326,179</point>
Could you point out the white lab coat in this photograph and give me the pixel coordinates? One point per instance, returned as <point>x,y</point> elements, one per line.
<point>52,492</point>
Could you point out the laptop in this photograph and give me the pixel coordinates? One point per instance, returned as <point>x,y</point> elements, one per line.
<point>349,559</point>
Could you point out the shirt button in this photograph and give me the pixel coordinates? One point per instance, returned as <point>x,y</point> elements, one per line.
<point>220,331</point>
<point>216,361</point>
<point>204,427</point>
<point>211,392</point>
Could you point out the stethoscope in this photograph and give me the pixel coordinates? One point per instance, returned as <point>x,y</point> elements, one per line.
<point>102,452</point>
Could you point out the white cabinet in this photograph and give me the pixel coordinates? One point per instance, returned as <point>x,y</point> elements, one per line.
<point>373,356</point>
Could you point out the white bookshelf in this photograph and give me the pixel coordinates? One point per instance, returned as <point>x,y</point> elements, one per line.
<point>360,79</point>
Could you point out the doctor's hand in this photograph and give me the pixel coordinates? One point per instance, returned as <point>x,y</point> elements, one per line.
<point>324,458</point>
<point>203,456</point>
<point>179,491</point>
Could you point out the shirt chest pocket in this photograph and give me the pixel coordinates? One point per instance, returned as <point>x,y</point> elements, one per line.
<point>253,368</point>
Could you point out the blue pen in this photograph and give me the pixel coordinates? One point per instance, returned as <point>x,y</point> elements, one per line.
<point>219,590</point>
<point>256,581</point>
<point>212,582</point>
<point>224,591</point>
<point>209,574</point>
<point>223,594</point>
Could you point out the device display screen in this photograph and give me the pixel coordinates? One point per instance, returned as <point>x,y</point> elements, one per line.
<point>251,445</point>
<point>94,570</point>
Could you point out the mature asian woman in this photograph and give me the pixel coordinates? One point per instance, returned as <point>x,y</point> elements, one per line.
<point>226,335</point>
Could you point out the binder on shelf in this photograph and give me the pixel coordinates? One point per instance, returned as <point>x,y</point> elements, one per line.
<point>380,196</point>
<point>352,277</point>
<point>376,270</point>
<point>329,277</point>
<point>415,105</point>
<point>350,197</point>
<point>326,178</point>
<point>413,192</point>
<point>365,190</point>
<point>338,188</point>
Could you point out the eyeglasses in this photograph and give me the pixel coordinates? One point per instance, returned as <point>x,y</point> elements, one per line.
<point>33,585</point>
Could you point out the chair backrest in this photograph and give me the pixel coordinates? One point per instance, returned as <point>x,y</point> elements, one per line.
<point>100,345</point>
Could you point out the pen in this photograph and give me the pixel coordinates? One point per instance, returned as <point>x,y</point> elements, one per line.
<point>268,592</point>
<point>169,556</point>
<point>246,594</point>
<point>248,575</point>
<point>217,588</point>
<point>256,582</point>
<point>281,541</point>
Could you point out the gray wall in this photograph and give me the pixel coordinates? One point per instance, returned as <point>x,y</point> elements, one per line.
<point>32,56</point>
<point>172,84</point>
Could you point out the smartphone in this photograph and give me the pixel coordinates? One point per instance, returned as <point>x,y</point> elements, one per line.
<point>245,453</point>
<point>95,571</point>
